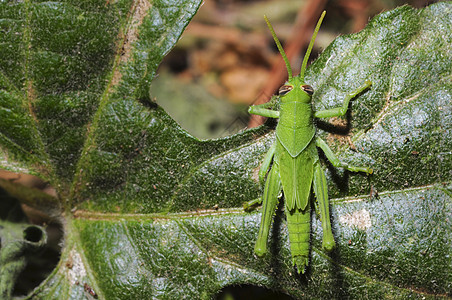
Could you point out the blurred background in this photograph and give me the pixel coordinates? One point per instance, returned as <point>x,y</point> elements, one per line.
<point>227,60</point>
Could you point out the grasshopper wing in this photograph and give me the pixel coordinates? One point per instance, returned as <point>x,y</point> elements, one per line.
<point>296,176</point>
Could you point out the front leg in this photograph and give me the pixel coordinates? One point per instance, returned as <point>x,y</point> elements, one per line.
<point>263,109</point>
<point>340,111</point>
<point>335,161</point>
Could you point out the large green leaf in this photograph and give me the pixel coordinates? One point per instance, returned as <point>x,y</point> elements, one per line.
<point>140,195</point>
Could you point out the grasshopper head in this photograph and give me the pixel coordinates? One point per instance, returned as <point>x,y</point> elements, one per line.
<point>295,89</point>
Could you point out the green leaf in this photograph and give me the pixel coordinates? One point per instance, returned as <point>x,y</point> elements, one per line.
<point>151,212</point>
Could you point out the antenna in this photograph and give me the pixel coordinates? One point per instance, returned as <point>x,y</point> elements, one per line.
<point>311,45</point>
<point>280,48</point>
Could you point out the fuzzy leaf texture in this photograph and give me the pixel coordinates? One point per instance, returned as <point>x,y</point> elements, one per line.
<point>138,192</point>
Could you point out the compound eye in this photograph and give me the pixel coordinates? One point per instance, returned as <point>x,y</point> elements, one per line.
<point>284,89</point>
<point>308,89</point>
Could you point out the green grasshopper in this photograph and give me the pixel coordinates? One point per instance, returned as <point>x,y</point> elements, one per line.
<point>296,162</point>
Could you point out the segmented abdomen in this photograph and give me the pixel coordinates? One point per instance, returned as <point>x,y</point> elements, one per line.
<point>299,226</point>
